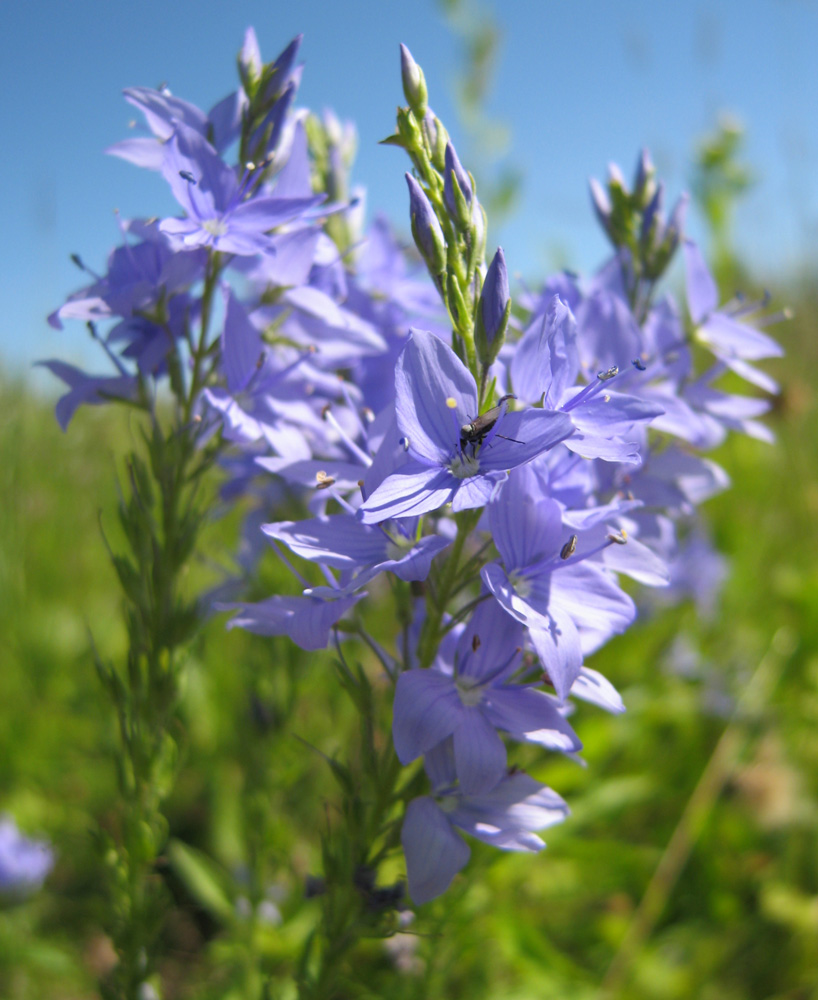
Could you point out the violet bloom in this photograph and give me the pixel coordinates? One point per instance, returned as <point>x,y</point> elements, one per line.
<point>545,366</point>
<point>306,619</point>
<point>472,701</point>
<point>24,863</point>
<point>436,397</point>
<point>218,214</point>
<point>506,818</point>
<point>359,551</point>
<point>556,594</point>
<point>91,390</point>
<point>728,338</point>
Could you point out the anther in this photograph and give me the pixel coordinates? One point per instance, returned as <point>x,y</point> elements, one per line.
<point>475,643</point>
<point>638,364</point>
<point>618,537</point>
<point>569,548</point>
<point>186,175</point>
<point>612,372</point>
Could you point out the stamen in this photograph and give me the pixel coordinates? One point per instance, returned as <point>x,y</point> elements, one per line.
<point>362,456</point>
<point>776,317</point>
<point>569,548</point>
<point>92,329</point>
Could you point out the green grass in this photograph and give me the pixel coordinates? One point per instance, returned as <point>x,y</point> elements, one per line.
<point>740,922</point>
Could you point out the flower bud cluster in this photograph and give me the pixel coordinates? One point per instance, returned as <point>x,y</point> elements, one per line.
<point>635,223</point>
<point>449,226</point>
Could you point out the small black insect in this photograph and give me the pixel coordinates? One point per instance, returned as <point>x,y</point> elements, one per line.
<point>476,431</point>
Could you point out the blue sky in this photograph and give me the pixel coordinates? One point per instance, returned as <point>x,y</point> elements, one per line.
<point>580,82</point>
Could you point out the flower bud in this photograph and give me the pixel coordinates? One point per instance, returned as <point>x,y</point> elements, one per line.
<point>616,180</point>
<point>249,61</point>
<point>652,228</point>
<point>457,190</point>
<point>643,186</point>
<point>667,241</point>
<point>493,310</point>
<point>601,203</point>
<point>414,84</point>
<point>438,139</point>
<point>426,229</point>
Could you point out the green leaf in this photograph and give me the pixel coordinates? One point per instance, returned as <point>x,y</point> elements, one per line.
<point>203,879</point>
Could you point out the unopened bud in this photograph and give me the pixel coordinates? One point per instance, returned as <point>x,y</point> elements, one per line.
<point>643,178</point>
<point>457,190</point>
<point>616,178</point>
<point>601,203</point>
<point>414,84</point>
<point>426,229</point>
<point>493,311</point>
<point>653,221</point>
<point>438,139</point>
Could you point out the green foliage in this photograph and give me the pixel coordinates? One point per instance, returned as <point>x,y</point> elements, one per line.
<point>718,182</point>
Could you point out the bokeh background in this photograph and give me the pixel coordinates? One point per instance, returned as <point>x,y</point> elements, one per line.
<point>690,866</point>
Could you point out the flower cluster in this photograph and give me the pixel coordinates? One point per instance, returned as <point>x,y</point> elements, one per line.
<point>505,466</point>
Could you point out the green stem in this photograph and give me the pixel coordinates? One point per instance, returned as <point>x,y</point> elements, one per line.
<point>435,609</point>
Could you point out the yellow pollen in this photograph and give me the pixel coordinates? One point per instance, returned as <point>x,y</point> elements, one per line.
<point>451,403</point>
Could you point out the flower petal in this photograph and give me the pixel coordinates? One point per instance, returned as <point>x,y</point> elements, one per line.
<point>427,374</point>
<point>479,753</point>
<point>427,709</point>
<point>414,489</point>
<point>434,852</point>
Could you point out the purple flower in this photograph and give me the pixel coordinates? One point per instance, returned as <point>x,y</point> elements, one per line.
<point>360,551</point>
<point>218,214</point>
<point>474,699</point>
<point>545,366</point>
<point>307,619</point>
<point>436,399</point>
<point>558,597</point>
<point>728,338</point>
<point>93,390</point>
<point>506,818</point>
<point>24,863</point>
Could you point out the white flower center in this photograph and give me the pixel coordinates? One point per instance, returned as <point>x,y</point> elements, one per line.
<point>520,583</point>
<point>216,227</point>
<point>470,692</point>
<point>464,466</point>
<point>397,548</point>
